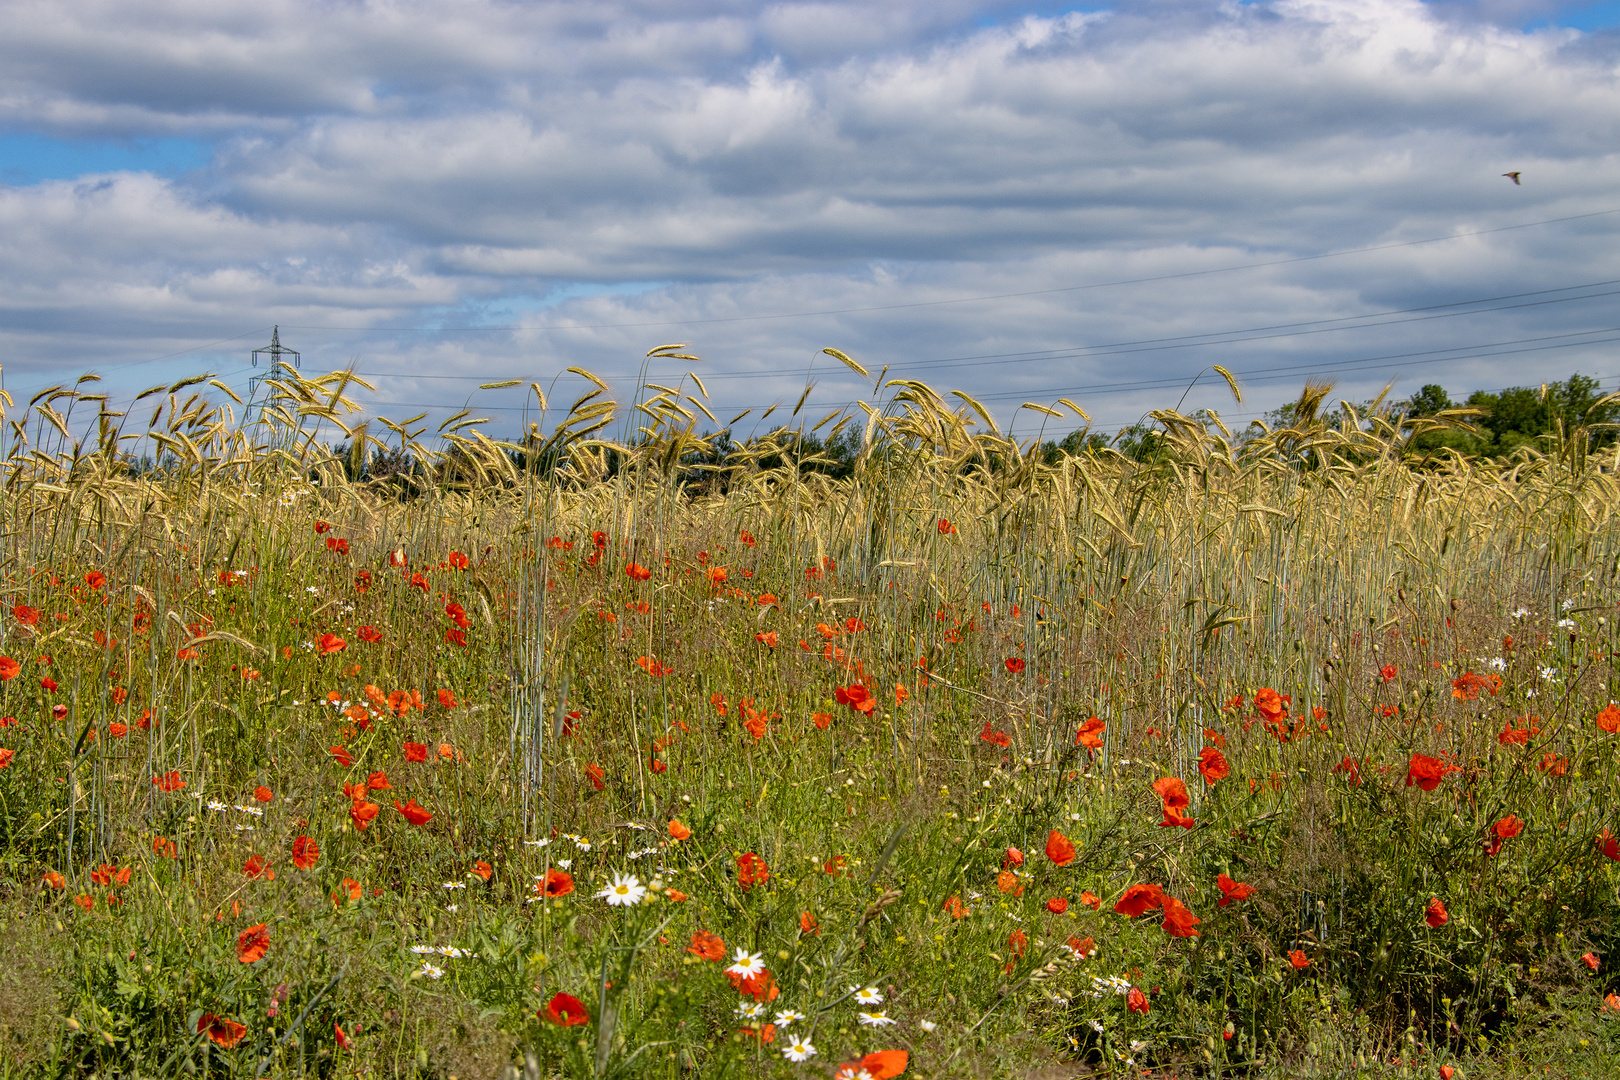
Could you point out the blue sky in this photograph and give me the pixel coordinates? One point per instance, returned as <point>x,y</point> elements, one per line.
<point>30,158</point>
<point>1020,201</point>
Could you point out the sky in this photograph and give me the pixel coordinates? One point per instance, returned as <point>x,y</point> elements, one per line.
<point>1021,201</point>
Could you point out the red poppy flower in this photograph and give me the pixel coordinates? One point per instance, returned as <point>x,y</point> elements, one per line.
<point>483,869</point>
<point>1590,960</point>
<point>378,781</point>
<point>566,1010</point>
<point>946,528</point>
<point>447,699</point>
<point>48,684</point>
<point>1435,914</point>
<point>5,757</point>
<point>1057,905</point>
<point>1232,890</point>
<point>707,946</point>
<point>1178,920</point>
<point>1350,768</point>
<point>857,697</point>
<point>343,757</point>
<point>878,1066</point>
<point>1270,704</point>
<point>1609,719</point>
<point>1007,882</point>
<point>304,852</point>
<point>458,561</point>
<point>414,814</point>
<point>9,669</point>
<point>1136,1001</point>
<point>169,781</point>
<point>990,735</point>
<point>415,751</point>
<point>26,615</point>
<point>222,1033</point>
<point>330,643</point>
<point>1387,673</point>
<point>751,871</point>
<point>1089,734</point>
<point>1012,858</point>
<point>594,772</point>
<point>1507,828</point>
<point>1298,959</point>
<point>252,944</point>
<point>637,572</point>
<point>95,579</point>
<point>1172,791</point>
<point>1427,772</point>
<point>368,633</point>
<point>263,794</point>
<point>1015,665</point>
<point>257,867</point>
<point>362,813</point>
<point>679,831</point>
<point>1091,900</point>
<point>1059,848</point>
<point>1512,735</point>
<point>1212,765</point>
<point>808,924</point>
<point>1175,819</point>
<point>559,882</point>
<point>1138,899</point>
<point>85,900</point>
<point>956,908</point>
<point>1466,687</point>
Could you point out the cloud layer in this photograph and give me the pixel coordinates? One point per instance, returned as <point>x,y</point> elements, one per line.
<point>435,192</point>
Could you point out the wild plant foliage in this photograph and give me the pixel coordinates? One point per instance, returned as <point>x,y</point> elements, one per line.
<point>616,749</point>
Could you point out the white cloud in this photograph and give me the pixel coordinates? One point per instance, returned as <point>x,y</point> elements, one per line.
<point>395,165</point>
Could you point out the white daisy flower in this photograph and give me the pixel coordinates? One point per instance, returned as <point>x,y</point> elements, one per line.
<point>1566,624</point>
<point>254,810</point>
<point>452,908</point>
<point>536,843</point>
<point>787,1017</point>
<point>867,996</point>
<point>217,806</point>
<point>565,864</point>
<point>1496,663</point>
<point>749,1010</point>
<point>455,884</point>
<point>876,1019</point>
<point>432,972</point>
<point>623,891</point>
<point>1521,613</point>
<point>800,1050</point>
<point>927,1025</point>
<point>747,964</point>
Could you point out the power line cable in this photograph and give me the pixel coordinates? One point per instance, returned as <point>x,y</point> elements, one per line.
<point>967,299</point>
<point>1226,337</point>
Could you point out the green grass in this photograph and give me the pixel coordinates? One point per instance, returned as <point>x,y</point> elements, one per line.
<point>1160,598</point>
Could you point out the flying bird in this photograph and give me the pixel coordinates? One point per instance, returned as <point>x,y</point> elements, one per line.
<point>1513,176</point>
